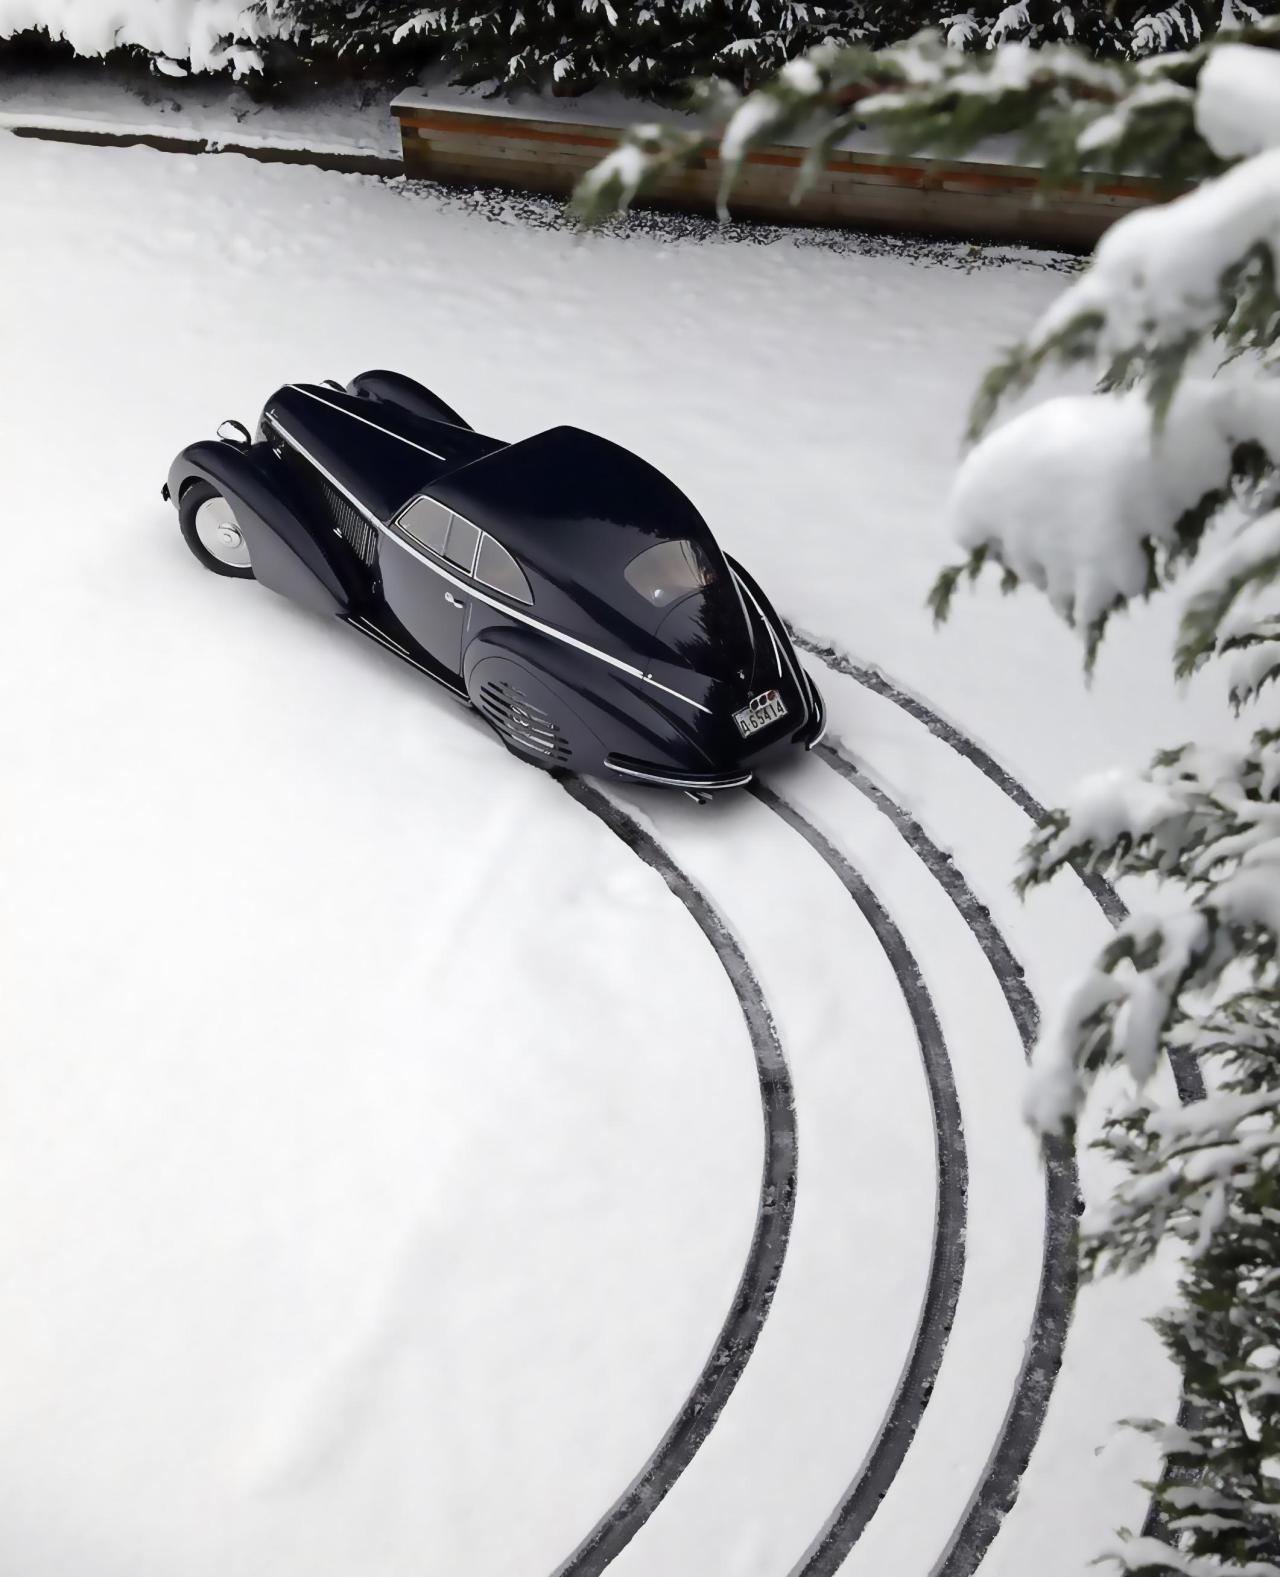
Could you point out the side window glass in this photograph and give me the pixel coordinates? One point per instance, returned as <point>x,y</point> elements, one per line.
<point>495,567</point>
<point>461,546</point>
<point>427,523</point>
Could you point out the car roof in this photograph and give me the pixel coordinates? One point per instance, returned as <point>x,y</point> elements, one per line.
<point>567,502</point>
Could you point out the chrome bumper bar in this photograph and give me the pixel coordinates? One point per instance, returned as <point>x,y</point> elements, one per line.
<point>691,782</point>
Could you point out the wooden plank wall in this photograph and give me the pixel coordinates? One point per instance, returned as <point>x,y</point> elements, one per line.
<point>460,145</point>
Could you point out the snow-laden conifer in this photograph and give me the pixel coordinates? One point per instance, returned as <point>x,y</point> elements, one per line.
<point>566,46</point>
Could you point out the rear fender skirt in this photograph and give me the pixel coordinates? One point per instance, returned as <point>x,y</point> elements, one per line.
<point>620,715</point>
<point>309,566</point>
<point>531,713</point>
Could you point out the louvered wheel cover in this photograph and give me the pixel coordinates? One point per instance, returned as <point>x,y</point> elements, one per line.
<point>521,723</point>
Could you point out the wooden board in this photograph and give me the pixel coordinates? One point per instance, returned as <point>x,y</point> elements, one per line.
<point>858,189</point>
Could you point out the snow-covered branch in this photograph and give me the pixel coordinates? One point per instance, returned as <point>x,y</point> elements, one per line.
<point>1072,112</point>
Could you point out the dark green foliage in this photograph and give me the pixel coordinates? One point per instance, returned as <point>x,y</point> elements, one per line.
<point>325,40</point>
<point>568,46</point>
<point>655,47</point>
<point>1220,1495</point>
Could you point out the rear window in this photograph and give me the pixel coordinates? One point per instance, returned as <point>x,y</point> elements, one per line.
<point>668,571</point>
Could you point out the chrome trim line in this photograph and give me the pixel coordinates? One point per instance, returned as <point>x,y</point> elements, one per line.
<point>413,536</point>
<point>822,716</point>
<point>417,541</point>
<point>746,617</point>
<point>800,678</point>
<point>777,651</point>
<point>545,629</point>
<point>773,639</point>
<point>540,730</point>
<point>681,783</point>
<point>329,477</point>
<point>488,536</point>
<point>764,620</point>
<point>475,547</point>
<point>379,639</point>
<point>530,730</point>
<point>377,635</point>
<point>355,417</point>
<point>501,607</point>
<point>740,587</point>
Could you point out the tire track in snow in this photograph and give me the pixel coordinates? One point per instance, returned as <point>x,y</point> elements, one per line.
<point>946,1267</point>
<point>1056,1294</point>
<point>1008,1461</point>
<point>1106,897</point>
<point>750,1306</point>
<point>1186,1071</point>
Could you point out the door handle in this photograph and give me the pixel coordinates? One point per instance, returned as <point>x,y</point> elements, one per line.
<point>454,602</point>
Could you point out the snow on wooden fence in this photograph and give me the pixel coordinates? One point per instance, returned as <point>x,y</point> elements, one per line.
<point>546,145</point>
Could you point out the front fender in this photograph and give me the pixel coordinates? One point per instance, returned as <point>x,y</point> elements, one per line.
<point>314,568</point>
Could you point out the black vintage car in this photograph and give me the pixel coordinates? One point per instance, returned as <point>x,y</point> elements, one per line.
<point>560,585</point>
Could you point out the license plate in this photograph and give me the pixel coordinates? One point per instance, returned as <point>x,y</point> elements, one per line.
<point>759,712</point>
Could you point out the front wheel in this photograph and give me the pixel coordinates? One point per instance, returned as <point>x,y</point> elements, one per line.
<point>211,531</point>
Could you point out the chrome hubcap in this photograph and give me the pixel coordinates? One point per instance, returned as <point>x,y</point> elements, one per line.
<point>219,534</point>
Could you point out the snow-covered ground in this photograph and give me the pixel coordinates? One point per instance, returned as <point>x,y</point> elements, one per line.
<point>382,1140</point>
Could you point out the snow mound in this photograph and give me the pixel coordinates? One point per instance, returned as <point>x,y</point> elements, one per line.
<point>1238,101</point>
<point>1156,273</point>
<point>1082,534</point>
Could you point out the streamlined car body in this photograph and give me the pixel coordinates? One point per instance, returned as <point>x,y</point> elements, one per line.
<point>560,585</point>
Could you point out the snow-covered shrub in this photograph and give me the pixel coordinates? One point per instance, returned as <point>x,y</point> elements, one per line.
<point>1167,476</point>
<point>569,45</point>
<point>655,46</point>
<point>566,46</point>
<point>178,36</point>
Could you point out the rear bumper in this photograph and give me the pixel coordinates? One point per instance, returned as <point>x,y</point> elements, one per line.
<point>700,781</point>
<point>670,777</point>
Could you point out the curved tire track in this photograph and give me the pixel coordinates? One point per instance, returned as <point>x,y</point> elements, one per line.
<point>946,1267</point>
<point>1008,1461</point>
<point>1186,1072</point>
<point>741,1329</point>
<point>1055,1296</point>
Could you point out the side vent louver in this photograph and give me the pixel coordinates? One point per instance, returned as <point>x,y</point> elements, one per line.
<point>351,523</point>
<point>523,724</point>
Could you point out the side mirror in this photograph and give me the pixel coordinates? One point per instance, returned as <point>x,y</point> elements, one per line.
<point>235,433</point>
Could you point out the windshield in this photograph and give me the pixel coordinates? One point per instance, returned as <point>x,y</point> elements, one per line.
<point>668,571</point>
